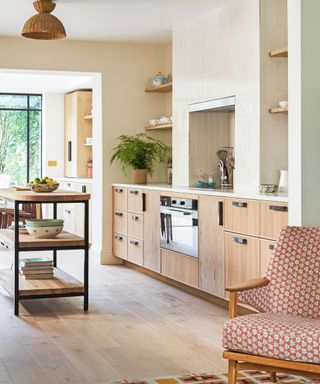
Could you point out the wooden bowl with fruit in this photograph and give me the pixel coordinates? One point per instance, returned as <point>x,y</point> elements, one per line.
<point>45,185</point>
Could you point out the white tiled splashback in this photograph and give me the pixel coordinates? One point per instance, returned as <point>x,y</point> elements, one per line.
<point>215,56</point>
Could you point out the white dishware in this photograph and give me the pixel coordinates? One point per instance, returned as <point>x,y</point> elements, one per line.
<point>283,104</point>
<point>283,181</point>
<point>153,122</point>
<point>164,120</point>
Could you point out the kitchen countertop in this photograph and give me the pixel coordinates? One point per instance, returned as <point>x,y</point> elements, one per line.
<point>74,180</point>
<point>279,196</point>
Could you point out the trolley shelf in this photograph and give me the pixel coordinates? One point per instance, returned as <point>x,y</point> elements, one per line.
<point>62,283</point>
<point>65,239</point>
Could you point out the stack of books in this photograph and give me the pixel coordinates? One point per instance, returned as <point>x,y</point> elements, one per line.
<point>38,268</point>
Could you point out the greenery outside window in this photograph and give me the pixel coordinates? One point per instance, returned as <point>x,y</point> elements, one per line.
<point>20,136</point>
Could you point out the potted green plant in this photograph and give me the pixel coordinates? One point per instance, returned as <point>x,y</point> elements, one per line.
<point>139,152</point>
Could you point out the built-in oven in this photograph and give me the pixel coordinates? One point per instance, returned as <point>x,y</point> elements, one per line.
<point>179,225</point>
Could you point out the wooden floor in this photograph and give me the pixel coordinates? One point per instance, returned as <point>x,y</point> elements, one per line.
<point>137,327</point>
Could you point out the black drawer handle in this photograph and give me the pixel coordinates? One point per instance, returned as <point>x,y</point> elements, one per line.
<point>135,218</point>
<point>133,242</point>
<point>120,238</point>
<point>134,192</point>
<point>278,208</point>
<point>143,202</point>
<point>220,213</point>
<point>271,247</point>
<point>67,211</point>
<point>119,190</point>
<point>239,204</point>
<point>239,240</point>
<point>118,214</point>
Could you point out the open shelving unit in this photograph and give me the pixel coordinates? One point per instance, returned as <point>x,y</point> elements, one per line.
<point>164,88</point>
<point>62,284</point>
<point>281,52</point>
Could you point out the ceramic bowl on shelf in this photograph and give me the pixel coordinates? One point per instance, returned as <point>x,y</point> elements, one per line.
<point>158,80</point>
<point>268,188</point>
<point>44,188</point>
<point>44,228</point>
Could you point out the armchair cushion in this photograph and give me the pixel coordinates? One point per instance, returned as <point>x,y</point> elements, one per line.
<point>276,336</point>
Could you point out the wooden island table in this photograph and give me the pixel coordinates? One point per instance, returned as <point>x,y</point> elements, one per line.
<point>62,284</point>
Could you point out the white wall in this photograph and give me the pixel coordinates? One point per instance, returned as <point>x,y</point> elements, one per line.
<point>53,134</point>
<point>217,56</point>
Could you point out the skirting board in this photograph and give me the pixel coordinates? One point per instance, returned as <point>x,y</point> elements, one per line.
<point>194,291</point>
<point>105,257</point>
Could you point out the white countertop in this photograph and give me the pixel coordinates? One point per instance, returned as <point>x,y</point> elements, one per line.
<point>74,180</point>
<point>279,196</point>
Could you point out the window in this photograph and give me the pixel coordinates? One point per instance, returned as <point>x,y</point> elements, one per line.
<point>20,136</point>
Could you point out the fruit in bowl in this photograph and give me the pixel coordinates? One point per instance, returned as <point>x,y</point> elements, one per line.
<point>44,228</point>
<point>44,185</point>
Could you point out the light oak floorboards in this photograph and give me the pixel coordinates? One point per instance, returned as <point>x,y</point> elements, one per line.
<point>137,327</point>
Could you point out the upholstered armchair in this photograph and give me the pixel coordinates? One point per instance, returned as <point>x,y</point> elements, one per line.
<point>285,335</point>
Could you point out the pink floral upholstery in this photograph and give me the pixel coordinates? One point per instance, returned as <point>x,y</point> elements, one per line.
<point>277,336</point>
<point>289,326</point>
<point>293,272</point>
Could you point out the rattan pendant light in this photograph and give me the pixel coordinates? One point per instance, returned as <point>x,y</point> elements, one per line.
<point>44,26</point>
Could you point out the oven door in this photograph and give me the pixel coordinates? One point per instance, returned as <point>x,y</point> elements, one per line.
<point>179,230</point>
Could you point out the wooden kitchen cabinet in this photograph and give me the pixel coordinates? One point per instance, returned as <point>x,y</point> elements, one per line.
<point>120,246</point>
<point>120,222</point>
<point>211,248</point>
<point>242,216</point>
<point>274,216</point>
<point>135,225</point>
<point>135,251</point>
<point>135,200</point>
<point>120,198</point>
<point>242,258</point>
<point>77,105</point>
<point>151,231</point>
<point>180,267</point>
<point>266,250</point>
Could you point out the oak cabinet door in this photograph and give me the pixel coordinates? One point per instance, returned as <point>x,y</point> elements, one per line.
<point>211,257</point>
<point>274,216</point>
<point>266,249</point>
<point>120,200</point>
<point>151,230</point>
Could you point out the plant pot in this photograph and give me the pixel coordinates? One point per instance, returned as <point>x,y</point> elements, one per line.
<point>139,176</point>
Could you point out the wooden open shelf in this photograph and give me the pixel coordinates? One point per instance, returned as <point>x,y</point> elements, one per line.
<point>65,239</point>
<point>165,88</point>
<point>154,127</point>
<point>88,117</point>
<point>281,52</point>
<point>61,283</point>
<point>278,110</point>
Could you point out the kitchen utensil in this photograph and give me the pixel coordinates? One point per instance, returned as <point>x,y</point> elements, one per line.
<point>223,154</point>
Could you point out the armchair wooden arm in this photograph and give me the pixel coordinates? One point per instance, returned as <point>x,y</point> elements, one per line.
<point>252,284</point>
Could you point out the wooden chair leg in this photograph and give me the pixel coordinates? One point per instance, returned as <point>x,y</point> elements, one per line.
<point>273,377</point>
<point>232,372</point>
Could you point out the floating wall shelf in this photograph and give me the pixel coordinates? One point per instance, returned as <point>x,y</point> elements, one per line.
<point>154,127</point>
<point>278,110</point>
<point>282,52</point>
<point>165,88</point>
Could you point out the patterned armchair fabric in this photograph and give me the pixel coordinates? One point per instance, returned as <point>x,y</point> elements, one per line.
<point>289,326</point>
<point>294,277</point>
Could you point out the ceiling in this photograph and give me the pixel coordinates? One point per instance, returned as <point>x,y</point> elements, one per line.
<point>22,82</point>
<point>113,20</point>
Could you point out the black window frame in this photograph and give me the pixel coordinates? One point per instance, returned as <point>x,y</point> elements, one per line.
<point>28,110</point>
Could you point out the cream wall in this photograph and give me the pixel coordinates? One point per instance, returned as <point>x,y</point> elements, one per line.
<point>125,106</point>
<point>215,56</point>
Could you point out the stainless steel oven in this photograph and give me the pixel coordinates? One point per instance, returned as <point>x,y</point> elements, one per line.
<point>179,225</point>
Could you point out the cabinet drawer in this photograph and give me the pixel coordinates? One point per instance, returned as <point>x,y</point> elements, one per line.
<point>274,216</point>
<point>266,249</point>
<point>135,200</point>
<point>135,251</point>
<point>180,267</point>
<point>69,218</point>
<point>120,200</point>
<point>135,225</point>
<point>242,216</point>
<point>120,224</point>
<point>69,186</point>
<point>242,258</point>
<point>120,246</point>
